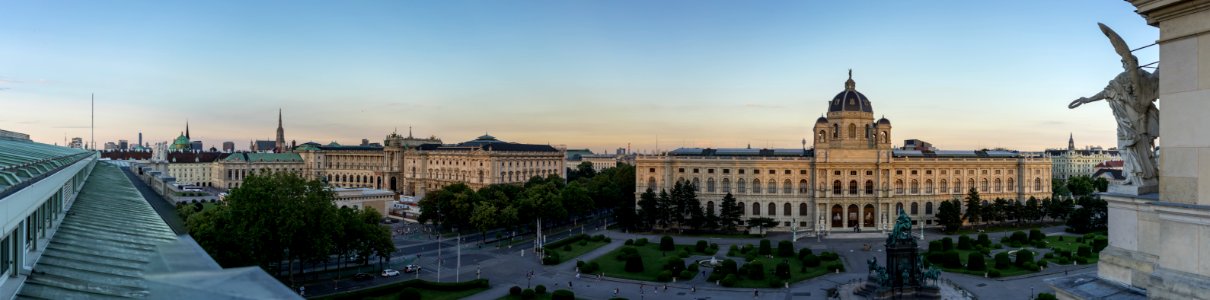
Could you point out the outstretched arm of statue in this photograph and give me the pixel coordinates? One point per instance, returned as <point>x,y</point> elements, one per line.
<point>1083,100</point>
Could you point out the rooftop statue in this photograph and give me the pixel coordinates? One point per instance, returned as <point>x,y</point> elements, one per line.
<point>1131,95</point>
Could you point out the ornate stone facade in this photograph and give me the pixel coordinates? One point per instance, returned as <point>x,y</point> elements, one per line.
<point>851,178</point>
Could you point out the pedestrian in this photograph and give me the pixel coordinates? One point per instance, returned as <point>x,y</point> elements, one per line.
<point>615,292</point>
<point>665,287</point>
<point>693,289</point>
<point>755,293</point>
<point>577,275</point>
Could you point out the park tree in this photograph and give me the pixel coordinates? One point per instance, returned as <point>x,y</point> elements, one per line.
<point>576,200</point>
<point>762,223</point>
<point>949,215</point>
<point>1101,184</point>
<point>484,217</point>
<point>710,218</point>
<point>729,214</point>
<point>648,213</point>
<point>1058,189</point>
<point>973,206</point>
<point>1080,186</point>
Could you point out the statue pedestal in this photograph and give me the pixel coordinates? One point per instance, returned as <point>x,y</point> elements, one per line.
<point>1133,190</point>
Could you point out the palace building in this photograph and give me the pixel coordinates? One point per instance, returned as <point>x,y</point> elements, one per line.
<point>851,178</point>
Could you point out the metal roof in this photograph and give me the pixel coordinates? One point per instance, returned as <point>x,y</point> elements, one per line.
<point>23,161</point>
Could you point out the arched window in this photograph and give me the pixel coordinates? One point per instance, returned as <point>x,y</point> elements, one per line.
<point>944,187</point>
<point>958,186</point>
<point>983,185</point>
<point>852,187</point>
<point>1038,184</point>
<point>898,207</point>
<point>741,207</point>
<point>915,187</point>
<point>772,209</point>
<point>726,185</point>
<point>836,131</point>
<point>869,187</point>
<point>756,186</point>
<point>710,206</point>
<point>836,187</point>
<point>928,186</point>
<point>755,209</point>
<point>785,209</point>
<point>787,187</point>
<point>886,138</point>
<point>802,209</point>
<point>710,185</point>
<point>915,208</point>
<point>823,136</point>
<point>697,185</point>
<point>740,186</point>
<point>899,186</point>
<point>928,208</point>
<point>852,131</point>
<point>998,187</point>
<point>1011,187</point>
<point>802,186</point>
<point>971,183</point>
<point>772,186</point>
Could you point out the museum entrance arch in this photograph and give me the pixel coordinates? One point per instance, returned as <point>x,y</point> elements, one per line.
<point>853,213</point>
<point>867,219</point>
<point>837,219</point>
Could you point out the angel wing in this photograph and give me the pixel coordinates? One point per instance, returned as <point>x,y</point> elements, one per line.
<point>1119,45</point>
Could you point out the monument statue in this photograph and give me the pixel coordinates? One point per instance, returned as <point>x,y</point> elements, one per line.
<point>1131,95</point>
<point>904,276</point>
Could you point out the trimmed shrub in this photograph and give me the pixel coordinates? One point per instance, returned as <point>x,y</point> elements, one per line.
<point>527,294</point>
<point>409,293</point>
<point>756,270</point>
<point>1036,235</point>
<point>629,242</point>
<point>829,256</point>
<point>1081,260</point>
<point>683,254</point>
<point>727,267</point>
<point>964,242</point>
<point>785,248</point>
<point>540,289</point>
<point>515,291</point>
<point>733,250</point>
<point>729,281</point>
<point>562,295</point>
<point>1024,257</point>
<point>836,267</point>
<point>774,283</point>
<point>935,246</point>
<point>590,268</point>
<point>634,263</point>
<point>1084,251</point>
<point>687,275</point>
<point>947,244</point>
<point>674,264</point>
<point>664,275</point>
<point>551,258</point>
<point>993,273</point>
<point>1046,296</point>
<point>1048,255</point>
<point>951,259</point>
<point>782,270</point>
<point>693,267</point>
<point>804,252</point>
<point>640,242</point>
<point>810,261</point>
<point>701,246</point>
<point>984,240</point>
<point>1099,244</point>
<point>1003,261</point>
<point>666,244</point>
<point>975,262</point>
<point>766,247</point>
<point>1031,266</point>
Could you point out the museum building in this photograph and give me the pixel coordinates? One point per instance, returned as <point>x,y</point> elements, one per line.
<point>850,179</point>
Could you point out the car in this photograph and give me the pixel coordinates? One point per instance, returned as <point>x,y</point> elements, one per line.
<point>362,276</point>
<point>411,268</point>
<point>389,273</point>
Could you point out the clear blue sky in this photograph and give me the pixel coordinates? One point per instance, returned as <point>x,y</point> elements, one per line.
<point>598,74</point>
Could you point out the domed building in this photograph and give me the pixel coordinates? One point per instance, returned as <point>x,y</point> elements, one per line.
<point>851,178</point>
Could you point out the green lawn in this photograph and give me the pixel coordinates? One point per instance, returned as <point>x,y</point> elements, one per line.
<point>652,256</point>
<point>428,294</point>
<point>796,272</point>
<point>1012,270</point>
<point>1069,244</point>
<point>577,249</point>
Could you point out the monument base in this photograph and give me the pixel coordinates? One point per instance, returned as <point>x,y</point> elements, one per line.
<point>1133,190</point>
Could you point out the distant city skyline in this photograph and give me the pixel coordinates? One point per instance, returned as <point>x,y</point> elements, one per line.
<point>597,75</point>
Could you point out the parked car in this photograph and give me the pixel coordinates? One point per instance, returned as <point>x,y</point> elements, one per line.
<point>389,273</point>
<point>411,268</point>
<point>362,276</point>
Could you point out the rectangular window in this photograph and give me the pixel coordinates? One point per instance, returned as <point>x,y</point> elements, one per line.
<point>837,173</point>
<point>682,170</point>
<point>726,171</point>
<point>651,170</point>
<point>869,173</point>
<point>898,172</point>
<point>852,173</point>
<point>913,172</point>
<point>741,171</point>
<point>755,171</point>
<point>695,171</point>
<point>802,172</point>
<point>928,172</point>
<point>787,172</point>
<point>710,171</point>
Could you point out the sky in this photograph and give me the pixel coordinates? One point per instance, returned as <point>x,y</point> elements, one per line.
<point>583,74</point>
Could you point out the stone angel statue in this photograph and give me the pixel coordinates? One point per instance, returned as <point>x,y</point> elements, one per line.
<point>1131,95</point>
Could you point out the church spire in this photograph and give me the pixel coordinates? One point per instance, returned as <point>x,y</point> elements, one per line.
<point>187,130</point>
<point>281,135</point>
<point>1071,142</point>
